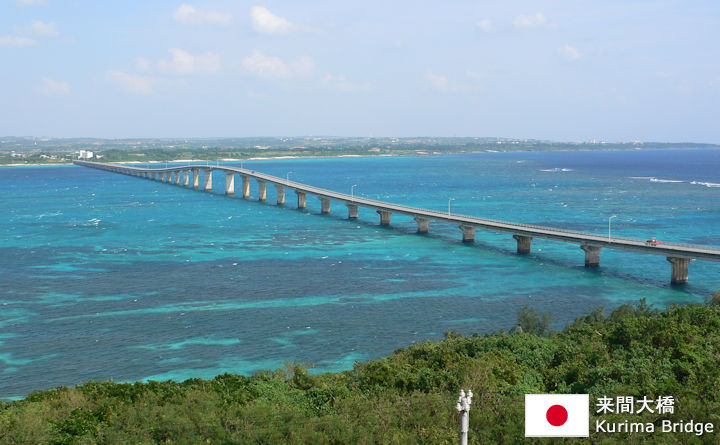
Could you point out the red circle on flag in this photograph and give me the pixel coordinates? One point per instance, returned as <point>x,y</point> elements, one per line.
<point>556,415</point>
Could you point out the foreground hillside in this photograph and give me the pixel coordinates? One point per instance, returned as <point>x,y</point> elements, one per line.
<point>408,397</point>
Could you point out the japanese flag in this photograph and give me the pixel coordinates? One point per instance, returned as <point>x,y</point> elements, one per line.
<point>557,415</point>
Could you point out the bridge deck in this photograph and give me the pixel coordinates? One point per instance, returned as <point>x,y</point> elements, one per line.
<point>668,249</point>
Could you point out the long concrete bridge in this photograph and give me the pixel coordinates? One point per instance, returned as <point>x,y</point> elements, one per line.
<point>679,255</point>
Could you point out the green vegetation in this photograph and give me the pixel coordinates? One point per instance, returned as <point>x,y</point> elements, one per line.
<point>409,397</point>
<point>17,150</point>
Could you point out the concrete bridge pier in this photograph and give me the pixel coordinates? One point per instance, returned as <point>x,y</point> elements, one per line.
<point>246,187</point>
<point>186,178</point>
<point>144,174</point>
<point>679,269</point>
<point>262,190</point>
<point>324,205</point>
<point>423,224</point>
<point>177,177</point>
<point>280,194</point>
<point>207,177</point>
<point>196,178</point>
<point>352,211</point>
<point>523,243</point>
<point>384,217</point>
<point>156,176</point>
<point>468,233</point>
<point>229,183</point>
<point>301,199</point>
<point>592,255</point>
<point>166,177</point>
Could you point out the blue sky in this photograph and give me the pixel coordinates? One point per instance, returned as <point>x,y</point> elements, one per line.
<point>560,70</point>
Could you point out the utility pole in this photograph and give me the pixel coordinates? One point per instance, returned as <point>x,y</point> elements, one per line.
<point>463,407</point>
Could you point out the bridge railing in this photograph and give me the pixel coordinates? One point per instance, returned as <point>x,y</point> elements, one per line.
<point>442,215</point>
<point>577,233</point>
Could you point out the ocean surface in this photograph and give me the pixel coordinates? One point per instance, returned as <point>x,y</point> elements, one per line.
<point>106,276</point>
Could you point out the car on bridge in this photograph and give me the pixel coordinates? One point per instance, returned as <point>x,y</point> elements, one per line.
<point>652,241</point>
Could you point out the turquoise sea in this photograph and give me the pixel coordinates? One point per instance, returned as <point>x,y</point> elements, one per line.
<point>106,276</point>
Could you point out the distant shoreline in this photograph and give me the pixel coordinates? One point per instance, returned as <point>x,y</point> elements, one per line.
<point>254,158</point>
<point>268,158</point>
<point>415,153</point>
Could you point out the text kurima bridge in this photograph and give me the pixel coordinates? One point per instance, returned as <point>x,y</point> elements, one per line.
<point>679,255</point>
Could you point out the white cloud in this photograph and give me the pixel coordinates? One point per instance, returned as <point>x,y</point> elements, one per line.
<point>188,15</point>
<point>185,63</point>
<point>438,81</point>
<point>274,67</point>
<point>50,87</point>
<point>530,20</point>
<point>265,22</point>
<point>569,52</point>
<point>40,29</point>
<point>16,41</point>
<point>486,25</point>
<point>266,66</point>
<point>340,83</point>
<point>131,83</point>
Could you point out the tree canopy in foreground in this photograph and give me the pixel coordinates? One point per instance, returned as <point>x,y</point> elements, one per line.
<point>410,396</point>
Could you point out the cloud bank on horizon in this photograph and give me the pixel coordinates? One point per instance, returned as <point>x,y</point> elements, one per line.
<point>568,70</point>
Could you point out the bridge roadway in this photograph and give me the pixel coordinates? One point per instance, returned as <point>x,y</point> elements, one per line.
<point>678,254</point>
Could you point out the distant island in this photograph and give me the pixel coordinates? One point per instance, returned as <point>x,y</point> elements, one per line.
<point>44,150</point>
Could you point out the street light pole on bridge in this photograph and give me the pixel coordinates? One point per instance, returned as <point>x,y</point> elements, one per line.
<point>610,227</point>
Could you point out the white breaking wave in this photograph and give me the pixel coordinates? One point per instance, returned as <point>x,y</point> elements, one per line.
<point>555,170</point>
<point>654,179</point>
<point>706,184</point>
<point>664,180</point>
